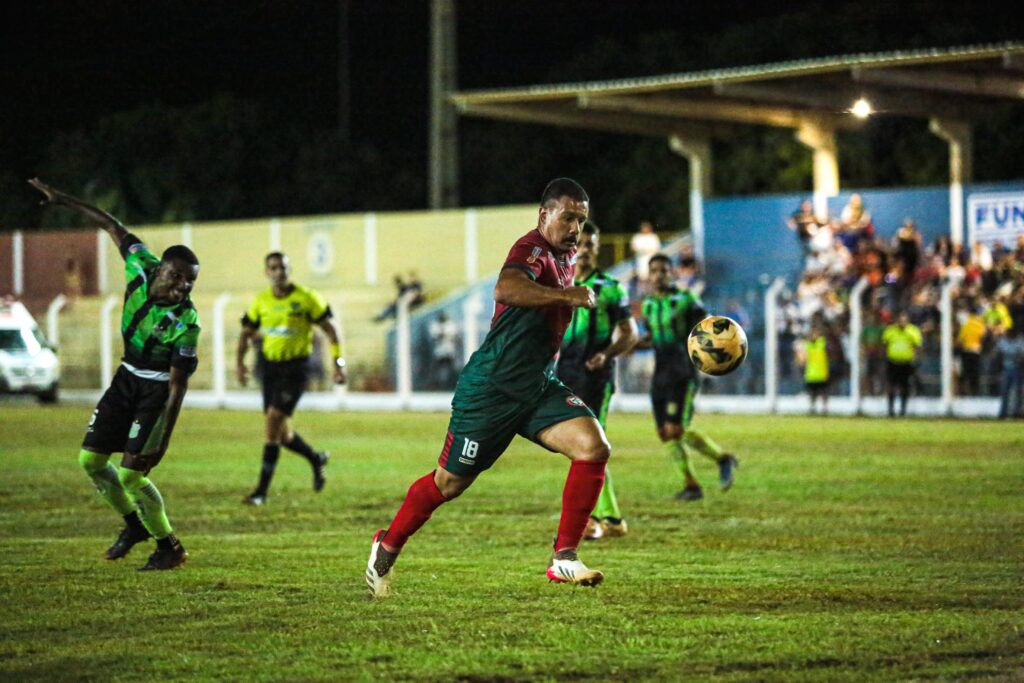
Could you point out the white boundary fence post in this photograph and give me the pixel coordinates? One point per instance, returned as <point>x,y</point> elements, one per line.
<point>771,344</point>
<point>274,235</point>
<point>341,390</point>
<point>106,340</point>
<point>18,262</point>
<point>856,326</point>
<point>403,351</point>
<point>370,247</point>
<point>52,324</point>
<point>470,331</point>
<point>472,249</point>
<point>101,261</point>
<point>220,366</point>
<point>946,310</point>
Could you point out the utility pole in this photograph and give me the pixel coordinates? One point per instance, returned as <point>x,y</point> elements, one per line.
<point>443,168</point>
<point>344,121</point>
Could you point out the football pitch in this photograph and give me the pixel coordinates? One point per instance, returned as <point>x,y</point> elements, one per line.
<point>848,550</point>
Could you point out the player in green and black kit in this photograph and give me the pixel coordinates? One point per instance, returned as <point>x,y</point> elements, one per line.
<point>508,387</point>
<point>669,313</point>
<point>586,361</point>
<point>137,413</point>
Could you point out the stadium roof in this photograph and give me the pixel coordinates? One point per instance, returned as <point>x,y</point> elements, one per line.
<point>953,83</point>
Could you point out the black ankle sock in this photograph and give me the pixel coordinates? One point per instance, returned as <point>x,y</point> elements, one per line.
<point>297,445</point>
<point>133,521</point>
<point>271,452</point>
<point>167,542</point>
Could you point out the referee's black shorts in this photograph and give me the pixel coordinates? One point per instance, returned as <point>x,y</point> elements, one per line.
<point>284,382</point>
<point>899,374</point>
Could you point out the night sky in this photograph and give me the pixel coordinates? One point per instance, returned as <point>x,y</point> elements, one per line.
<point>68,63</point>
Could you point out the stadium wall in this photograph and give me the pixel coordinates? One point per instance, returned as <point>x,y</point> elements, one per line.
<point>350,258</point>
<point>747,240</point>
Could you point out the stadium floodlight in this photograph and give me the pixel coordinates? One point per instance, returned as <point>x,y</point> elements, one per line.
<point>862,109</point>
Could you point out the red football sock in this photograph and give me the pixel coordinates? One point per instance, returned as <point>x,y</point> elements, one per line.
<point>582,487</point>
<point>423,498</point>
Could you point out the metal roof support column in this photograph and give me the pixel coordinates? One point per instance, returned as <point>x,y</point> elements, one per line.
<point>444,130</point>
<point>698,154</point>
<point>961,170</point>
<point>820,136</point>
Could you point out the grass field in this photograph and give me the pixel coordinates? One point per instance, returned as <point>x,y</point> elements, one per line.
<point>848,550</point>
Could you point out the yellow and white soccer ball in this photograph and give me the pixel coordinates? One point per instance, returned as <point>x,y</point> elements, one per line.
<point>717,345</point>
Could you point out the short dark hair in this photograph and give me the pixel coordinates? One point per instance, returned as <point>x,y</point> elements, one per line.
<point>274,254</point>
<point>563,187</point>
<point>590,229</point>
<point>660,257</point>
<point>179,252</point>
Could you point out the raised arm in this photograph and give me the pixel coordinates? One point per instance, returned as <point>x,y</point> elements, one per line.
<point>55,197</point>
<point>516,288</point>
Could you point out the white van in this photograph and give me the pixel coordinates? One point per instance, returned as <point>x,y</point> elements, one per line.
<point>28,364</point>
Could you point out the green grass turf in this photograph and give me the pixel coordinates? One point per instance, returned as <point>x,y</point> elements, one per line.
<point>849,550</point>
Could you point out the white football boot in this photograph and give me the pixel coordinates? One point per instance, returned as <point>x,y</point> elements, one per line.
<point>569,569</point>
<point>380,585</point>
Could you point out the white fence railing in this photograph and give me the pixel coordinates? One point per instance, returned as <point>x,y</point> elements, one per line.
<point>414,365</point>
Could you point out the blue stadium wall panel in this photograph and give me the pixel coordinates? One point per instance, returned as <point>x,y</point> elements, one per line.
<point>747,241</point>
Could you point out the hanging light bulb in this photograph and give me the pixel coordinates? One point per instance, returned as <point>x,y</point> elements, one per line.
<point>861,109</point>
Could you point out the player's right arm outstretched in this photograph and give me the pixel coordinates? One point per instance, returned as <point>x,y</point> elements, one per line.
<point>516,288</point>
<point>111,225</point>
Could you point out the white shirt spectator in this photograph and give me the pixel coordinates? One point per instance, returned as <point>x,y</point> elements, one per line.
<point>444,334</point>
<point>982,256</point>
<point>645,244</point>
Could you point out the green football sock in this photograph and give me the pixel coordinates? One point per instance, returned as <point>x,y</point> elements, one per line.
<point>679,457</point>
<point>702,443</point>
<point>149,501</point>
<point>104,478</point>
<point>607,504</point>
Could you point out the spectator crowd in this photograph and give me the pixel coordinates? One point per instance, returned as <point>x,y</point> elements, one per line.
<point>904,275</point>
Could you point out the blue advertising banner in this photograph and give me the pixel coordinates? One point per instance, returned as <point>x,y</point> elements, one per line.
<point>995,217</point>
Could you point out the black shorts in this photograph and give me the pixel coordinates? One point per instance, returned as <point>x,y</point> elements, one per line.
<point>672,401</point>
<point>899,374</point>
<point>595,388</point>
<point>284,382</point>
<point>127,415</point>
<point>818,388</point>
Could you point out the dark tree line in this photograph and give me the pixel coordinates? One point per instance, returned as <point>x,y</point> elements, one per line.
<point>233,157</point>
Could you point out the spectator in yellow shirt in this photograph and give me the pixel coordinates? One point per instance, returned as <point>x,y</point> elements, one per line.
<point>969,342</point>
<point>902,342</point>
<point>814,356</point>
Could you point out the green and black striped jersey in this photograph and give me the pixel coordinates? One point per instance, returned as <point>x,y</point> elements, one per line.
<point>156,337</point>
<point>591,329</point>
<point>669,317</point>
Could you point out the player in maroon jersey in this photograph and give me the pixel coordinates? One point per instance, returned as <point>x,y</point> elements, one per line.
<point>509,387</point>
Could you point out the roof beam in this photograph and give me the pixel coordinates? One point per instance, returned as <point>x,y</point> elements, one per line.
<point>710,110</point>
<point>838,99</point>
<point>947,81</point>
<point>608,122</point>
<point>1013,61</point>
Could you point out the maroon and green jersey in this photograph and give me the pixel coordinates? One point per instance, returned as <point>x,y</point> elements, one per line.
<point>516,356</point>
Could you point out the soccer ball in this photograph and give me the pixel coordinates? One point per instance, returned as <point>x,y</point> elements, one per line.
<point>717,345</point>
